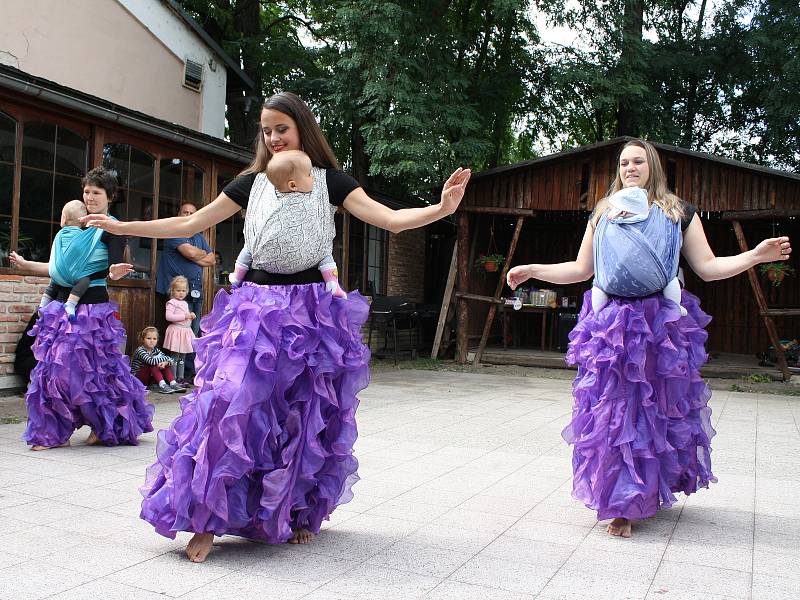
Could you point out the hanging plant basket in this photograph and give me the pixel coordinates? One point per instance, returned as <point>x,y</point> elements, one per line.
<point>490,262</point>
<point>776,272</point>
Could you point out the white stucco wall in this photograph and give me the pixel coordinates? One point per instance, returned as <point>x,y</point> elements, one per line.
<point>173,32</point>
<point>130,52</point>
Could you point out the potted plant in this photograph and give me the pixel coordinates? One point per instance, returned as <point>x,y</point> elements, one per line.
<point>490,262</point>
<point>776,271</point>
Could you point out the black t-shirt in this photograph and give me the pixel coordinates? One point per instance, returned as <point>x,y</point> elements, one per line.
<point>689,210</point>
<point>340,184</point>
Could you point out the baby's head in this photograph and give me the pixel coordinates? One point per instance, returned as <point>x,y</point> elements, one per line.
<point>631,200</point>
<point>72,212</point>
<point>290,171</point>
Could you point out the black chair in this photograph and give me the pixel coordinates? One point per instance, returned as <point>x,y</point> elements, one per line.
<point>393,312</point>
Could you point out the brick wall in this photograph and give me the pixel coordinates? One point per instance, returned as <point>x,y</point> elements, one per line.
<point>19,297</point>
<point>406,276</point>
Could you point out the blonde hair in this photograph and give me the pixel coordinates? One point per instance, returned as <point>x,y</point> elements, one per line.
<point>147,330</point>
<point>73,211</point>
<point>287,165</point>
<point>175,281</point>
<point>657,191</point>
<point>312,140</point>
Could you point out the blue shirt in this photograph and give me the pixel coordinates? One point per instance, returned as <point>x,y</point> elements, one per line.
<point>173,263</point>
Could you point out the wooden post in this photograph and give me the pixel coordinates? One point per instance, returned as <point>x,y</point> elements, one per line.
<point>500,284</point>
<point>761,301</point>
<point>448,294</point>
<point>462,342</point>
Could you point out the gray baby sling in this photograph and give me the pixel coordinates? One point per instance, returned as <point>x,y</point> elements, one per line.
<point>633,260</point>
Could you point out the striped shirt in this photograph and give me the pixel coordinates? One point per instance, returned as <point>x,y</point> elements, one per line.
<point>141,357</point>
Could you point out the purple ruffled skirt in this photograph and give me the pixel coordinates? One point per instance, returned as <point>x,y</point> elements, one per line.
<point>82,378</point>
<point>264,444</point>
<point>641,425</point>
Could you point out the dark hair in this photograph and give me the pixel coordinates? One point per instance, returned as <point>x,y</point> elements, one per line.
<point>102,178</point>
<point>312,141</point>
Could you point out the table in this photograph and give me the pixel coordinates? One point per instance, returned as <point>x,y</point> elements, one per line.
<point>546,312</point>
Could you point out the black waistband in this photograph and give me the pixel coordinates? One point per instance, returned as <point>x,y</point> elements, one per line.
<point>94,295</point>
<point>260,277</point>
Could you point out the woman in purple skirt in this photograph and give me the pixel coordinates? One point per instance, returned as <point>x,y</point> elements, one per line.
<point>641,426</point>
<point>82,377</point>
<point>263,446</point>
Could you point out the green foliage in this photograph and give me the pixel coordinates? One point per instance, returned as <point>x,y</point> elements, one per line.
<point>407,91</point>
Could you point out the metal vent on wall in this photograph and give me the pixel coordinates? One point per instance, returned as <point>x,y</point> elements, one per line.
<point>193,75</point>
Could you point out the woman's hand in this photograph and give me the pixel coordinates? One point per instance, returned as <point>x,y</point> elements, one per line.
<point>119,270</point>
<point>518,275</point>
<point>104,222</point>
<point>773,249</point>
<point>453,190</point>
<point>17,261</point>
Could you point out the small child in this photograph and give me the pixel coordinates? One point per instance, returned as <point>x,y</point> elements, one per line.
<point>631,205</point>
<point>179,335</point>
<point>150,364</point>
<point>70,224</point>
<point>290,171</point>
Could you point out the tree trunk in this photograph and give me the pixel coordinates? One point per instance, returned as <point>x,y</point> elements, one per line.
<point>244,108</point>
<point>629,66</point>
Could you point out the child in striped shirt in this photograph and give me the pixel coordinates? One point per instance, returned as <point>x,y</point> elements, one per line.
<point>151,365</point>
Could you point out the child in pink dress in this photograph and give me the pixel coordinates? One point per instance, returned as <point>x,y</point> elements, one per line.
<point>179,335</point>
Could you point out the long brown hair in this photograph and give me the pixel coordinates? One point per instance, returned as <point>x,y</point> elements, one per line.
<point>312,141</point>
<point>657,191</point>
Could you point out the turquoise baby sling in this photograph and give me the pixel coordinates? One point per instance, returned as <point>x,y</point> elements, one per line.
<point>77,253</point>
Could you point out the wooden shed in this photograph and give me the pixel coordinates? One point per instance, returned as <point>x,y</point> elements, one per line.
<point>536,211</point>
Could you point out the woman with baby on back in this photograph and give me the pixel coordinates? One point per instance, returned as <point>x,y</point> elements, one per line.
<point>263,447</point>
<point>641,425</point>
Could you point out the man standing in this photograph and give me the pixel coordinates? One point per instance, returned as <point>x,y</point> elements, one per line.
<point>187,257</point>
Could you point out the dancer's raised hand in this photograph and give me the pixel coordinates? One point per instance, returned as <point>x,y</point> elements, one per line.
<point>119,270</point>
<point>17,261</point>
<point>104,222</point>
<point>518,275</point>
<point>773,249</point>
<point>453,189</point>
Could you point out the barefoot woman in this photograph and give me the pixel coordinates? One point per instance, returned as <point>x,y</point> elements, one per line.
<point>263,446</point>
<point>641,425</point>
<point>82,378</point>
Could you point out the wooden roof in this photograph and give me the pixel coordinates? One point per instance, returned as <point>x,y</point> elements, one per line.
<point>576,179</point>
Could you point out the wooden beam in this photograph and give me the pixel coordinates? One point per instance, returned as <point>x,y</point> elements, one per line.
<point>498,210</point>
<point>760,215</point>
<point>478,297</point>
<point>462,316</point>
<point>761,301</point>
<point>448,295</point>
<point>781,312</point>
<point>487,327</point>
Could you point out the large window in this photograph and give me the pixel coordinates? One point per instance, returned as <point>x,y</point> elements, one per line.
<point>229,238</point>
<point>179,181</point>
<point>53,162</point>
<point>8,151</point>
<point>135,172</point>
<point>368,253</point>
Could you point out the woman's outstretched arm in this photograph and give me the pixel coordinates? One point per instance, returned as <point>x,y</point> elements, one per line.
<point>361,206</point>
<point>37,268</point>
<point>564,273</point>
<point>211,214</point>
<point>710,268</point>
